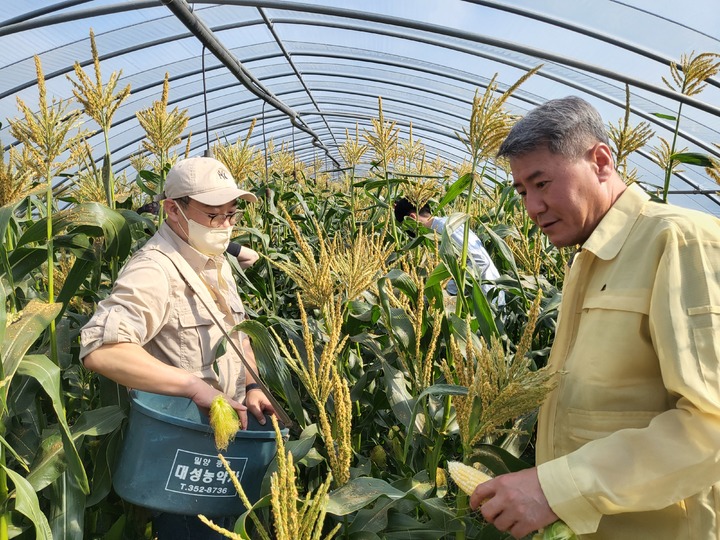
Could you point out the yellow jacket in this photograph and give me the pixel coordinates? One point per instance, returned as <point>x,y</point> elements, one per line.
<point>629,441</point>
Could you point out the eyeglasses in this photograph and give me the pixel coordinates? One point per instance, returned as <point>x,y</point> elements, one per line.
<point>218,220</point>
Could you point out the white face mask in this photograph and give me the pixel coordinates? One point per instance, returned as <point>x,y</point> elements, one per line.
<point>207,240</point>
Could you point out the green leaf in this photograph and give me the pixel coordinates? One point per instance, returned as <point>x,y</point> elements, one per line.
<point>482,311</point>
<point>97,422</point>
<point>93,219</point>
<point>499,461</point>
<point>396,320</point>
<point>24,260</point>
<point>434,390</point>
<point>48,375</point>
<point>438,275</point>
<point>516,442</point>
<point>149,182</point>
<point>22,333</point>
<point>455,189</point>
<point>665,116</point>
<point>273,370</point>
<point>26,502</point>
<point>299,449</point>
<point>105,458</point>
<point>693,158</point>
<point>8,211</point>
<point>49,462</point>
<point>67,508</point>
<point>50,458</point>
<point>241,527</point>
<point>3,314</point>
<point>401,401</point>
<point>402,281</point>
<point>74,280</point>
<point>358,493</point>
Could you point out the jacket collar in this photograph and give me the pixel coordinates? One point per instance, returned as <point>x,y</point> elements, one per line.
<point>611,233</point>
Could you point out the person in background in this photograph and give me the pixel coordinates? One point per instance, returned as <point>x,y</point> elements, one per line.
<point>628,443</point>
<point>152,333</point>
<point>245,256</point>
<point>477,254</point>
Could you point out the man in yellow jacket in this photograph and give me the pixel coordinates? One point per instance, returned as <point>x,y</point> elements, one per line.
<point>629,442</point>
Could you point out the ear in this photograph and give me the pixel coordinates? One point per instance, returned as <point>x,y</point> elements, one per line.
<point>171,210</point>
<point>413,215</point>
<point>603,159</point>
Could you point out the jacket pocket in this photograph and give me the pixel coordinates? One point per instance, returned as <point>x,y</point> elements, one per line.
<point>585,426</point>
<point>632,300</point>
<point>196,335</point>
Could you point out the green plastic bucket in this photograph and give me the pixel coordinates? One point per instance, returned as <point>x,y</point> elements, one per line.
<point>169,462</point>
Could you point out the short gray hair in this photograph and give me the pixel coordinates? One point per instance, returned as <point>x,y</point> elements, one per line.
<point>564,126</point>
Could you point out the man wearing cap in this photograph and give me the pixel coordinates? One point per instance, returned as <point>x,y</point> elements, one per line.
<point>154,333</point>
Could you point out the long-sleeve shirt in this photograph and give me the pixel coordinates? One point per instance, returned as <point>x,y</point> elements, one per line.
<point>629,441</point>
<point>477,254</point>
<point>152,306</point>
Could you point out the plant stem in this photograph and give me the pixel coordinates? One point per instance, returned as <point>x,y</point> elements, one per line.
<point>669,166</point>
<point>107,166</point>
<point>3,492</point>
<point>461,300</point>
<point>462,511</point>
<point>51,262</point>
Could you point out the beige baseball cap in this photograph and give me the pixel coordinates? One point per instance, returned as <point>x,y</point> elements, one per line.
<point>205,180</point>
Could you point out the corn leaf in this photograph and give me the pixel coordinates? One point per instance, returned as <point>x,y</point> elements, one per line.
<point>401,401</point>
<point>693,158</point>
<point>482,311</point>
<point>24,260</point>
<point>434,390</point>
<point>67,508</point>
<point>3,316</point>
<point>22,333</point>
<point>396,320</point>
<point>273,372</point>
<point>105,458</point>
<point>455,189</point>
<point>93,219</point>
<point>26,502</point>
<point>50,459</point>
<point>665,116</point>
<point>47,374</point>
<point>358,493</point>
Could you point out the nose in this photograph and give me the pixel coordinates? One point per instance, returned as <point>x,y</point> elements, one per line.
<point>535,205</point>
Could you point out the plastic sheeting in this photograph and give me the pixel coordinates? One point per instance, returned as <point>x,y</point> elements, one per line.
<point>327,62</point>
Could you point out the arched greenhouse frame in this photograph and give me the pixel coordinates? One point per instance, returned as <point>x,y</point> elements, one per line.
<point>328,112</point>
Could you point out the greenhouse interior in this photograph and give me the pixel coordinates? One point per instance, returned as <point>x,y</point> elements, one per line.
<point>388,352</point>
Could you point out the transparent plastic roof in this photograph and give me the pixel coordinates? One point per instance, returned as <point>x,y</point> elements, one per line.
<point>316,68</point>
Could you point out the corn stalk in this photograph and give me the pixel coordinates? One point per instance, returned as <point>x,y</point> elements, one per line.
<point>688,79</point>
<point>490,124</point>
<point>46,136</point>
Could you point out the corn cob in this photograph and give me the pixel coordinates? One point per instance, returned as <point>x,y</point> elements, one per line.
<point>224,421</point>
<point>556,531</point>
<point>466,477</point>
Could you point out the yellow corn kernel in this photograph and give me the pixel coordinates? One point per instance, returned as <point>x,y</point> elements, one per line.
<point>466,477</point>
<point>224,421</point>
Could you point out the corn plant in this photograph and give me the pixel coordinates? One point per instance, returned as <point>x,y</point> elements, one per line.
<point>688,78</point>
<point>100,103</point>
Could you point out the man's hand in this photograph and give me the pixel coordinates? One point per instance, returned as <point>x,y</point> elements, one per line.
<point>514,503</point>
<point>203,394</point>
<point>258,404</point>
<point>247,257</point>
